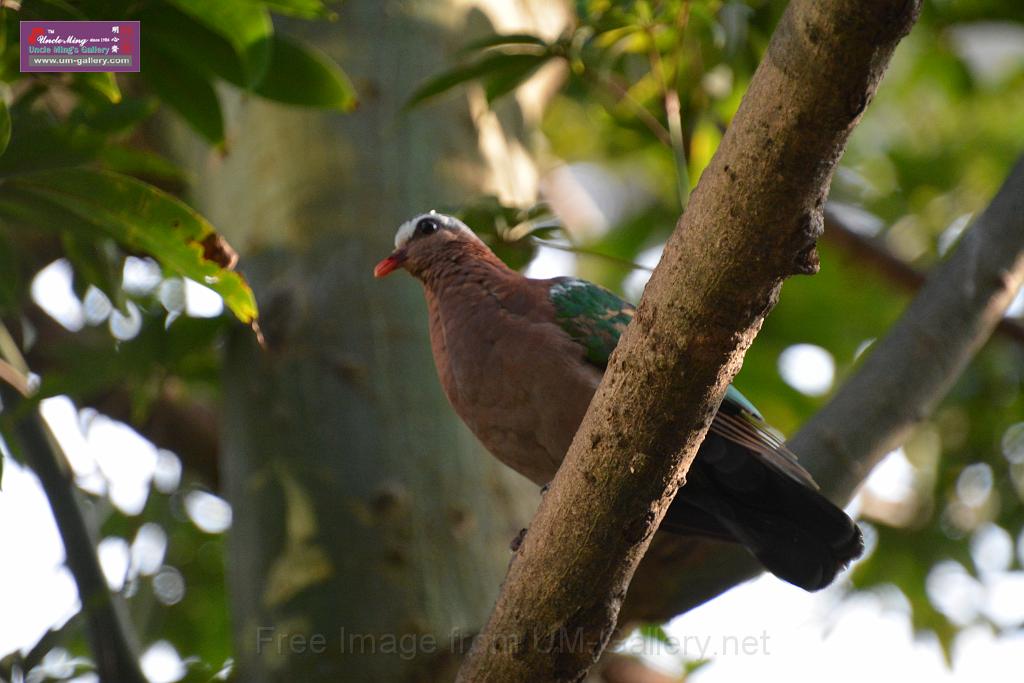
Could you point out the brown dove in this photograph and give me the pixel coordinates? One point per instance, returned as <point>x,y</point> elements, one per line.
<point>520,359</point>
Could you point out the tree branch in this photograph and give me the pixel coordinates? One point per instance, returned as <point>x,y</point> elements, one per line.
<point>753,220</point>
<point>112,643</point>
<point>900,382</point>
<point>914,366</point>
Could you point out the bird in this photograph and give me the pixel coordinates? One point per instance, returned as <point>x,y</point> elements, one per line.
<point>519,359</point>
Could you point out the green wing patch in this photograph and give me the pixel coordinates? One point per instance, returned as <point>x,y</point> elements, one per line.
<point>733,395</point>
<point>591,315</point>
<point>595,318</point>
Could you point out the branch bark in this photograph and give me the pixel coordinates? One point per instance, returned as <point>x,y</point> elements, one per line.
<point>900,382</point>
<point>752,221</point>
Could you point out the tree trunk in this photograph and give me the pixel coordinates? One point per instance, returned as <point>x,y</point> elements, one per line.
<point>371,531</point>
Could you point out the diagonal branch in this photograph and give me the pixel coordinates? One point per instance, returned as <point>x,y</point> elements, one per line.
<point>752,221</point>
<point>910,370</point>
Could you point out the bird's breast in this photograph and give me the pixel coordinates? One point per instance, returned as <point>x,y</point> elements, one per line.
<point>519,384</point>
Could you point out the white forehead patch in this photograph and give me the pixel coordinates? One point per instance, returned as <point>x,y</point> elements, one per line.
<point>405,232</point>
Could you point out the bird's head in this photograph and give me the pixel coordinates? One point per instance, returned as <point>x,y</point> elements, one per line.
<point>427,239</point>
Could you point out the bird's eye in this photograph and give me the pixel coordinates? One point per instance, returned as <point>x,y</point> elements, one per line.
<point>427,226</point>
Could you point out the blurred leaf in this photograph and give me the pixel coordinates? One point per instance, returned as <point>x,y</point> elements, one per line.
<point>630,38</point>
<point>510,76</point>
<point>116,118</point>
<point>141,218</point>
<point>96,262</point>
<point>654,632</point>
<point>186,91</point>
<point>101,82</point>
<point>244,24</point>
<point>303,75</point>
<point>493,66</point>
<point>208,52</point>
<point>493,221</point>
<point>59,9</point>
<point>89,365</point>
<point>43,142</point>
<point>5,126</point>
<point>142,164</point>
<point>499,39</point>
<point>692,666</point>
<point>305,9</point>
<point>11,283</point>
<point>703,144</point>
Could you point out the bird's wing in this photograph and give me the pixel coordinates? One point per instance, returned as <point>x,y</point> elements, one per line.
<point>595,318</point>
<point>739,421</point>
<point>591,315</point>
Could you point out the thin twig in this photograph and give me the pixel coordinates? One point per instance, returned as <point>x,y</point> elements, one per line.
<point>616,90</point>
<point>673,108</point>
<point>625,263</point>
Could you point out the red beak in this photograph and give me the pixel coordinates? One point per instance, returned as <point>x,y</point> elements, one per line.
<point>391,263</point>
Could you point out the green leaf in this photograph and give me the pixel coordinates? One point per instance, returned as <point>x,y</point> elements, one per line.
<point>138,216</point>
<point>298,74</point>
<point>498,39</point>
<point>5,126</point>
<point>140,163</point>
<point>510,76</point>
<point>86,365</point>
<point>116,118</point>
<point>186,91</point>
<point>208,52</point>
<point>43,142</point>
<point>304,9</point>
<point>95,262</point>
<point>655,632</point>
<point>693,665</point>
<point>245,24</point>
<point>11,284</point>
<point>493,65</point>
<point>59,10</point>
<point>103,83</point>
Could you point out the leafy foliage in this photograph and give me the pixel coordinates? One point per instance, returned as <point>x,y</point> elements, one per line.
<point>68,157</point>
<point>117,205</point>
<point>83,186</point>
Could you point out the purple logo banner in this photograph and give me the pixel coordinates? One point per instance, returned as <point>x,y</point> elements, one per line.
<point>49,46</point>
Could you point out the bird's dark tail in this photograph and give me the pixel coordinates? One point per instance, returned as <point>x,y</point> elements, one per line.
<point>793,530</point>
